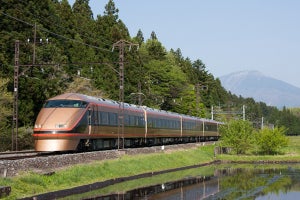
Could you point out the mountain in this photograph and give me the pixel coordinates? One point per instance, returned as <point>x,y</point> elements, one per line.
<point>262,88</point>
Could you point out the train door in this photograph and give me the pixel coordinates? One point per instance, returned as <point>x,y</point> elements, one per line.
<point>92,119</point>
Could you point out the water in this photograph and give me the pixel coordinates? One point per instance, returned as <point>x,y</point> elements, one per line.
<point>259,182</point>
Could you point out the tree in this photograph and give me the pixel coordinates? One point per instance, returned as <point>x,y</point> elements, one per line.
<point>155,49</point>
<point>111,10</point>
<point>238,135</point>
<point>139,38</point>
<point>5,114</point>
<point>82,8</point>
<point>153,36</point>
<point>109,27</point>
<point>271,141</point>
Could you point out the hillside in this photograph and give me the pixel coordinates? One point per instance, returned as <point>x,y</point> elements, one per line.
<point>78,57</point>
<point>262,88</point>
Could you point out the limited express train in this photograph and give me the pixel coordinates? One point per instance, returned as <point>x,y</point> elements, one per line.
<point>72,121</point>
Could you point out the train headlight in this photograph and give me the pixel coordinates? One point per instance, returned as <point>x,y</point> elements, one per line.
<point>37,126</point>
<point>60,125</point>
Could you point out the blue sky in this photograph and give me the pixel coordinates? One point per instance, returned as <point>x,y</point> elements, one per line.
<point>227,35</point>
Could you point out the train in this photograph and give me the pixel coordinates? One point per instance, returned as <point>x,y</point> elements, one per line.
<point>78,122</point>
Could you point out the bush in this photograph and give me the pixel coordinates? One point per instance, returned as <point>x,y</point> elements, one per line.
<point>271,141</point>
<point>238,135</point>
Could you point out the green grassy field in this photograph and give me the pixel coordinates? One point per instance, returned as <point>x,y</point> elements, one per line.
<point>29,183</point>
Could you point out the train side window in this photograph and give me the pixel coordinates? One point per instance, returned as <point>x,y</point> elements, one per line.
<point>188,125</point>
<point>153,123</point>
<point>132,120</point>
<point>126,120</point>
<point>165,123</point>
<point>159,123</point>
<point>113,119</point>
<point>177,125</point>
<point>99,117</point>
<point>211,127</point>
<point>141,121</point>
<point>149,122</point>
<point>173,124</point>
<point>168,124</point>
<point>104,118</point>
<point>136,120</point>
<point>207,127</point>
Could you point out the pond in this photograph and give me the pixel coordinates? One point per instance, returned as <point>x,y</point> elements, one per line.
<point>259,182</point>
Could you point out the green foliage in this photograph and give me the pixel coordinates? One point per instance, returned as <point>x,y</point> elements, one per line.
<point>166,79</point>
<point>245,180</point>
<point>242,138</point>
<point>271,141</point>
<point>155,49</point>
<point>5,115</point>
<point>238,135</point>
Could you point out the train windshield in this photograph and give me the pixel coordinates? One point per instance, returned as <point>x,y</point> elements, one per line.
<point>65,104</point>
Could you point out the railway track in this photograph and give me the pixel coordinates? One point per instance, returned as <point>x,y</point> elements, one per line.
<point>17,155</point>
<point>11,163</point>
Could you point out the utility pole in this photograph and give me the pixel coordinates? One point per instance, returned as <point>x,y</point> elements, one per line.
<point>212,112</point>
<point>140,93</point>
<point>14,135</point>
<point>15,125</point>
<point>244,113</point>
<point>199,87</point>
<point>34,42</point>
<point>121,44</point>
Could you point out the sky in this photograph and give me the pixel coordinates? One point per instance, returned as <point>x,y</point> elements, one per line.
<point>227,35</point>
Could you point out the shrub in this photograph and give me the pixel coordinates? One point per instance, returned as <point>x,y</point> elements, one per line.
<point>271,141</point>
<point>238,135</point>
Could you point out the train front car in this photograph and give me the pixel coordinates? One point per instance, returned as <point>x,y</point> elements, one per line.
<point>60,123</point>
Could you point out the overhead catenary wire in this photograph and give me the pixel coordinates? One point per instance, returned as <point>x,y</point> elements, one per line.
<point>61,26</point>
<point>56,34</point>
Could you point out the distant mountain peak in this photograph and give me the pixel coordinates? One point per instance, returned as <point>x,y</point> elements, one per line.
<point>263,88</point>
<point>247,72</point>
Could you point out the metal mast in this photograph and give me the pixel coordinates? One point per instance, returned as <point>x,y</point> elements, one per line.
<point>14,135</point>
<point>121,44</point>
<point>199,87</point>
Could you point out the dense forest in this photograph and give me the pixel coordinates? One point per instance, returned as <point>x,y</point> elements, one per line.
<point>64,49</point>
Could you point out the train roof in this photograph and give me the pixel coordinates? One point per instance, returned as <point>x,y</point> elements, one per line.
<point>97,100</point>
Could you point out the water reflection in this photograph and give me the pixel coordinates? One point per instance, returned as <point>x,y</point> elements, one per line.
<point>183,189</point>
<point>245,183</point>
<point>259,182</point>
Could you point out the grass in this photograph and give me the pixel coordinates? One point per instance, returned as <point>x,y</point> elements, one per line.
<point>205,171</point>
<point>29,183</point>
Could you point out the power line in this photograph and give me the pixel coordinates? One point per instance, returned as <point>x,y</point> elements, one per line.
<point>56,34</point>
<point>88,45</point>
<point>60,26</point>
<point>17,19</point>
